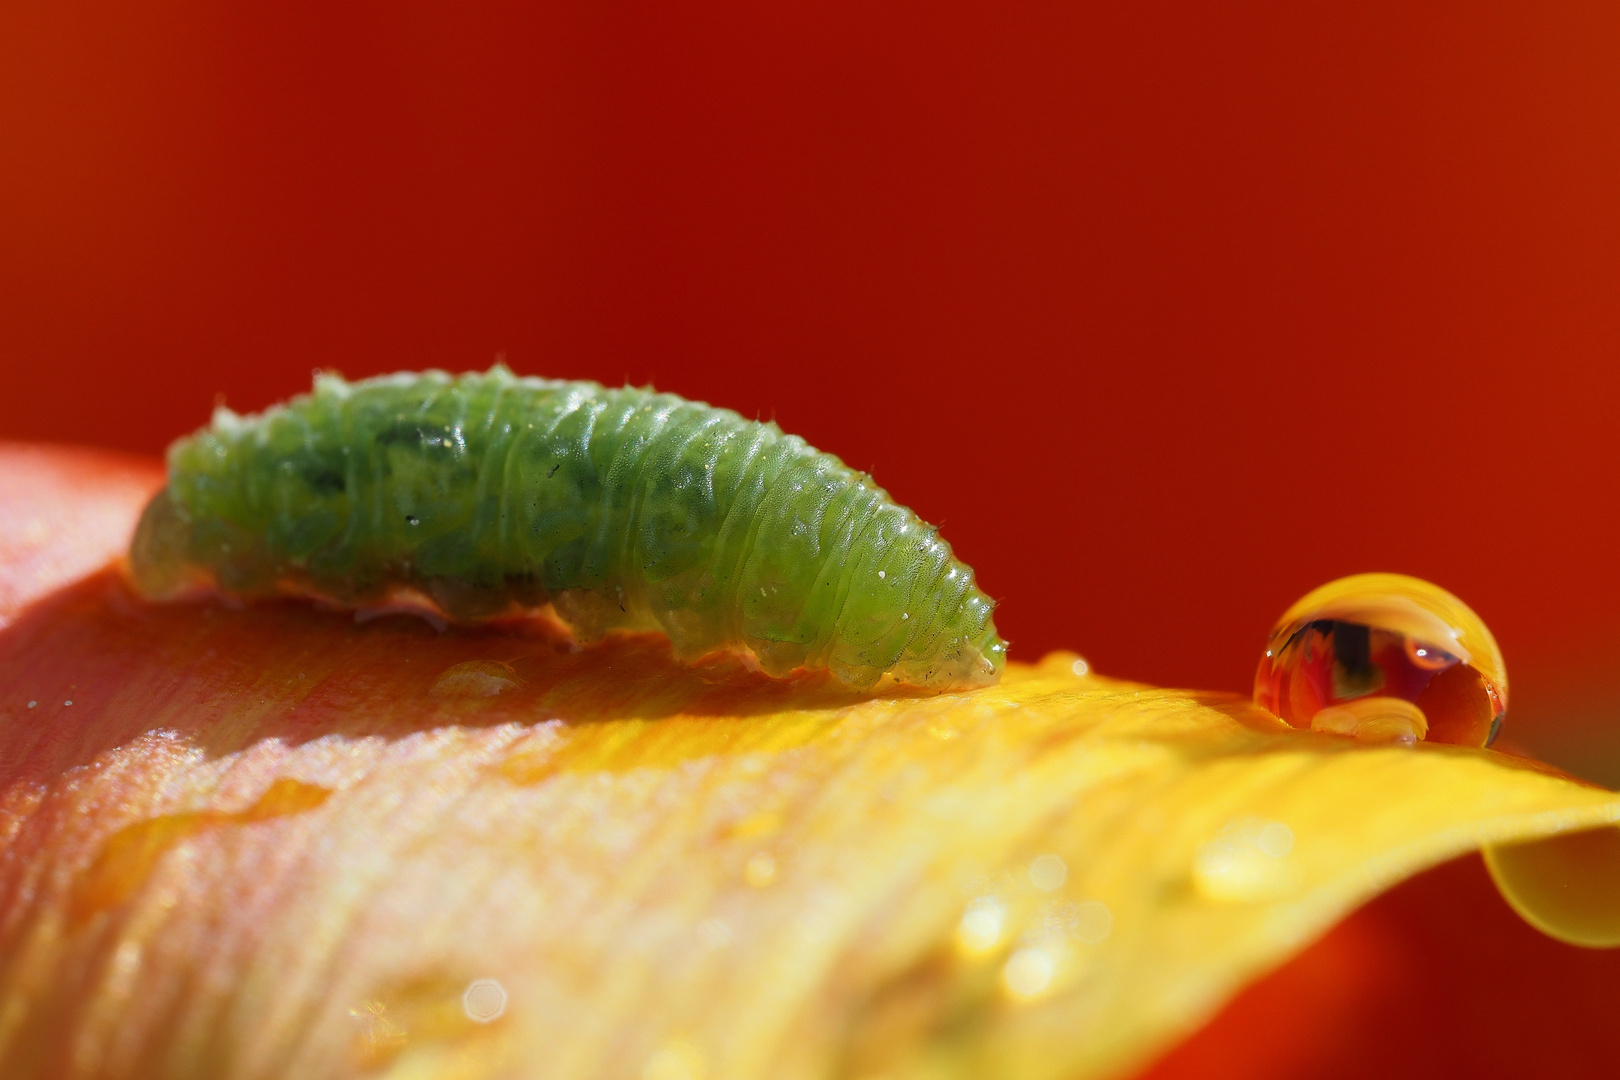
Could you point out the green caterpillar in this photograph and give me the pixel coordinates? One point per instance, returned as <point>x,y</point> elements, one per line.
<point>621,508</point>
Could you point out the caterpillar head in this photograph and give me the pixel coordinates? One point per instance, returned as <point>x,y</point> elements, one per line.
<point>159,554</point>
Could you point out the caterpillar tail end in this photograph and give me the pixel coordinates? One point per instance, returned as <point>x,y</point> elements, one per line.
<point>974,667</point>
<point>970,667</point>
<point>980,661</point>
<point>158,564</point>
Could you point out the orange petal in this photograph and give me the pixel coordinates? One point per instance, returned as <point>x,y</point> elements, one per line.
<point>68,512</point>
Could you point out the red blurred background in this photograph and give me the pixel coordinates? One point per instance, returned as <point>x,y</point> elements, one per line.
<point>1168,312</point>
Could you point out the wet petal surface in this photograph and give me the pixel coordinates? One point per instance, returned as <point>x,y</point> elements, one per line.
<point>272,842</point>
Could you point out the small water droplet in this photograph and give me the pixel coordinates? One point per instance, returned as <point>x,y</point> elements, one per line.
<point>1093,922</point>
<point>1362,657</point>
<point>1080,668</point>
<point>1028,972</point>
<point>761,869</point>
<point>981,925</point>
<point>475,679</point>
<point>484,1001</point>
<point>1275,839</point>
<point>69,702</point>
<point>1048,872</point>
<point>1246,862</point>
<point>31,704</point>
<point>412,519</point>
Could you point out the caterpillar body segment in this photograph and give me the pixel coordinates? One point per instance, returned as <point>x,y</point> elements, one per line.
<point>621,508</point>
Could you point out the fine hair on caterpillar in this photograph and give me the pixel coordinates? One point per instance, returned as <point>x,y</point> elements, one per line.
<point>620,508</point>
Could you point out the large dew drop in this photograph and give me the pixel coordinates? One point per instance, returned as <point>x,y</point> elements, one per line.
<point>1385,658</point>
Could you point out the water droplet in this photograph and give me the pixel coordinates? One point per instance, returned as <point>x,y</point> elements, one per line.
<point>67,702</point>
<point>31,704</point>
<point>1275,839</point>
<point>1246,862</point>
<point>1385,658</point>
<point>1048,872</point>
<point>412,519</point>
<point>484,1001</point>
<point>475,679</point>
<point>980,928</point>
<point>1028,972</point>
<point>1080,668</point>
<point>761,869</point>
<point>1093,922</point>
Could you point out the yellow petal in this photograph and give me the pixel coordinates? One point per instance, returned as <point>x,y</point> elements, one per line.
<point>1567,886</point>
<point>271,843</point>
<point>294,848</point>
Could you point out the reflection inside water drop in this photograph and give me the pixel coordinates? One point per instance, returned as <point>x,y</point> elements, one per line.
<point>1384,658</point>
